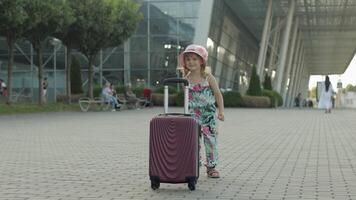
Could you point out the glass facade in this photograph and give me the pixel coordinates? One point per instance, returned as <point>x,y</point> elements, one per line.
<point>232,49</point>
<point>150,55</point>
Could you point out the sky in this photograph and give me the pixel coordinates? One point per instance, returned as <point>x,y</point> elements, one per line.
<point>349,77</point>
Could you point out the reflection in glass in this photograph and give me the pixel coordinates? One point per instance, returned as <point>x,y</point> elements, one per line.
<point>163,60</point>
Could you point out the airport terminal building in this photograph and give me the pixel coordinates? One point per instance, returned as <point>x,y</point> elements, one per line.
<point>286,39</point>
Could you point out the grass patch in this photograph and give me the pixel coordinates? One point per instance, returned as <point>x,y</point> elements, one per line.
<point>19,108</point>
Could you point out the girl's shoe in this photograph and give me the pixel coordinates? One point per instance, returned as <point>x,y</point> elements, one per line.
<point>212,173</point>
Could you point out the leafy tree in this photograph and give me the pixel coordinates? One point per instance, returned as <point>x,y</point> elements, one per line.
<point>267,83</point>
<point>68,38</point>
<point>76,76</point>
<point>350,88</point>
<point>12,17</point>
<point>44,19</point>
<point>102,24</point>
<point>254,89</point>
<point>312,92</point>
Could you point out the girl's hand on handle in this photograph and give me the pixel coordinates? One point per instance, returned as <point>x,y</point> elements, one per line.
<point>221,116</point>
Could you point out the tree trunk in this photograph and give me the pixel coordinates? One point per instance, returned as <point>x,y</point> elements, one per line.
<point>69,89</point>
<point>40,74</point>
<point>90,76</point>
<point>11,44</point>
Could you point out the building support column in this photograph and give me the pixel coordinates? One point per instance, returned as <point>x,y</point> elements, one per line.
<point>101,69</point>
<point>127,66</point>
<point>284,48</point>
<point>204,18</point>
<point>264,40</point>
<point>295,63</point>
<point>300,66</point>
<point>291,57</point>
<point>273,54</point>
<point>32,76</point>
<point>148,47</point>
<point>299,81</point>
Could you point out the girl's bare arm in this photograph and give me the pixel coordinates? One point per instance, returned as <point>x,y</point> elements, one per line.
<point>218,96</point>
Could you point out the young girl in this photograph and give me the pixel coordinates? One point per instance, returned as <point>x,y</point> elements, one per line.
<point>203,93</point>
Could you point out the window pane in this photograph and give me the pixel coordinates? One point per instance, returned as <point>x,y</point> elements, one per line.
<point>164,60</point>
<point>142,28</point>
<point>138,60</point>
<point>116,60</point>
<point>157,76</point>
<point>163,10</point>
<point>114,77</point>
<point>138,43</point>
<point>139,77</point>
<point>188,9</point>
<point>164,43</point>
<point>186,29</point>
<point>166,26</point>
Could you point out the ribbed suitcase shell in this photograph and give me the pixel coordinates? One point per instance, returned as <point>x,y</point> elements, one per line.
<point>173,148</point>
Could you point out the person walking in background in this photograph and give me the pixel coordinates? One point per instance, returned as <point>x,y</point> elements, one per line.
<point>298,100</point>
<point>203,93</point>
<point>2,83</point>
<point>325,101</point>
<point>44,86</point>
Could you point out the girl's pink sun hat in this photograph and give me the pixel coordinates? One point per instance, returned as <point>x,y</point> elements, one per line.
<point>193,48</point>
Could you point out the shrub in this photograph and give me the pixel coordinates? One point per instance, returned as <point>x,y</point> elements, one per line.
<point>97,91</point>
<point>138,91</point>
<point>254,89</point>
<point>276,99</point>
<point>232,99</point>
<point>120,89</point>
<point>157,99</point>
<point>180,99</point>
<point>267,83</point>
<point>271,96</point>
<point>75,76</point>
<point>171,89</point>
<point>63,98</point>
<point>255,101</point>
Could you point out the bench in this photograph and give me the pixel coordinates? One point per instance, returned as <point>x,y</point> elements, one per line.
<point>100,103</point>
<point>138,103</point>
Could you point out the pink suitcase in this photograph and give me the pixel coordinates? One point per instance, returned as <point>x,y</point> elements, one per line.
<point>174,138</point>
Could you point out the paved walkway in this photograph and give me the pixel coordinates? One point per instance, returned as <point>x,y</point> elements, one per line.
<point>265,154</point>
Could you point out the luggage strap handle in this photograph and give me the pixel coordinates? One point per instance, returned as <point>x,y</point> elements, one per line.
<point>176,80</point>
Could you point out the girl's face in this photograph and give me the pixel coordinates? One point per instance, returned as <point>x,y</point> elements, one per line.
<point>193,62</point>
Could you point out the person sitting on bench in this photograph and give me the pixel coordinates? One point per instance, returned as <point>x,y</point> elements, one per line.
<point>107,94</point>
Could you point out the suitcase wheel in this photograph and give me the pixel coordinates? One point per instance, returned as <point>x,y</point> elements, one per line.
<point>191,185</point>
<point>154,185</point>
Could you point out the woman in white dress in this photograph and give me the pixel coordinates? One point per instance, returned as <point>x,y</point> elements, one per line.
<point>326,95</point>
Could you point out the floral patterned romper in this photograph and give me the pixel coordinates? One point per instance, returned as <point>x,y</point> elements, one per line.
<point>202,106</point>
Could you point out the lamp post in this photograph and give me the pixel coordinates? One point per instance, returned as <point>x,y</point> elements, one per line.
<point>57,44</point>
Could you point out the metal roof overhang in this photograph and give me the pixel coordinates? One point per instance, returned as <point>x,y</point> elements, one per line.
<point>328,29</point>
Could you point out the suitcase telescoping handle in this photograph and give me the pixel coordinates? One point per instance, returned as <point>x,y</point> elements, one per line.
<point>175,80</point>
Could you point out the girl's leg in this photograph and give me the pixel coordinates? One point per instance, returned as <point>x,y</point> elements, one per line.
<point>210,143</point>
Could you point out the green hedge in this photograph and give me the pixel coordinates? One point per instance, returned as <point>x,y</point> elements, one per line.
<point>171,90</point>
<point>180,99</point>
<point>138,91</point>
<point>275,97</point>
<point>255,101</point>
<point>232,99</point>
<point>157,99</point>
<point>96,91</point>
